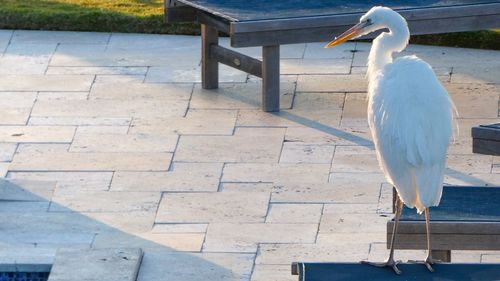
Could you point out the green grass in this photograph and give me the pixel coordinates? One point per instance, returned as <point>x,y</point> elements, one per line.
<point>141,16</point>
<point>146,16</point>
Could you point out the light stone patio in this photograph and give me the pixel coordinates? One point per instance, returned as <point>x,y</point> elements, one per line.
<point>108,140</point>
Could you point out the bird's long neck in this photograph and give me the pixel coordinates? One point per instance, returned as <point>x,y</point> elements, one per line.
<point>384,45</point>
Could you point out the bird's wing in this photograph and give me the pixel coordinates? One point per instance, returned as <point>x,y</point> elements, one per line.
<point>411,117</point>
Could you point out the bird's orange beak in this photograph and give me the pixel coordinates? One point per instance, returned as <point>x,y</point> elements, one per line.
<point>350,33</point>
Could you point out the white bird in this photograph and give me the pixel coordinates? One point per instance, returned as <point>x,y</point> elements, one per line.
<point>410,115</point>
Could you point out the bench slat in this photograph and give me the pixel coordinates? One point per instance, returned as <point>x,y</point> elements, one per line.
<point>356,271</point>
<point>462,203</point>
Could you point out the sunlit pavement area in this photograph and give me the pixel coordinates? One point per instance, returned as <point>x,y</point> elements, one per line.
<point>109,141</point>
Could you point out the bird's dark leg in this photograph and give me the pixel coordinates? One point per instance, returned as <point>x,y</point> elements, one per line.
<point>429,261</point>
<point>390,261</point>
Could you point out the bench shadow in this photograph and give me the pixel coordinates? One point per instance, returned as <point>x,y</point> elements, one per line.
<point>31,232</point>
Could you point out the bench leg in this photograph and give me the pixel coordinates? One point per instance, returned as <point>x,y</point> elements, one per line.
<point>271,78</point>
<point>209,65</point>
<point>442,255</point>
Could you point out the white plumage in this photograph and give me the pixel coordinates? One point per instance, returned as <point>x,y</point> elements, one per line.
<point>410,116</point>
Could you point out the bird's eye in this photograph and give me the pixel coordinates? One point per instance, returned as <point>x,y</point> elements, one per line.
<point>369,21</point>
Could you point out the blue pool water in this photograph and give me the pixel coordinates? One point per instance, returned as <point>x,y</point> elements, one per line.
<point>24,276</point>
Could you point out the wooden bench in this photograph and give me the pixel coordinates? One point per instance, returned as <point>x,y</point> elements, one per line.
<point>411,272</point>
<point>486,139</point>
<point>468,218</point>
<point>273,23</point>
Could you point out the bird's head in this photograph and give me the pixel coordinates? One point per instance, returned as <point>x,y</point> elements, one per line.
<point>376,18</point>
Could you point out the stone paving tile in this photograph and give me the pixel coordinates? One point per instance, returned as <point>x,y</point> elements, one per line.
<point>26,58</point>
<point>355,159</point>
<point>295,152</point>
<point>42,134</point>
<point>67,37</point>
<point>45,158</point>
<point>353,223</point>
<point>98,55</point>
<point>191,242</point>
<point>103,201</point>
<point>180,228</point>
<point>319,101</point>
<point>196,122</point>
<point>195,266</point>
<point>225,206</point>
<point>294,213</point>
<point>17,99</point>
<point>131,41</point>
<point>331,83</point>
<point>472,179</point>
<point>128,222</point>
<point>15,107</point>
<point>26,255</point>
<point>257,145</point>
<point>95,142</point>
<point>47,230</point>
<point>238,96</point>
<point>379,253</point>
<point>108,70</point>
<point>475,100</point>
<point>68,180</point>
<point>45,82</point>
<point>321,134</point>
<point>62,96</point>
<point>14,116</point>
<point>243,237</point>
<point>351,238</point>
<point>7,151</point>
<point>246,187</point>
<point>490,258</point>
<point>287,253</point>
<point>349,208</point>
<point>191,73</point>
<point>91,130</point>
<point>262,172</point>
<point>368,182</point>
<point>141,91</point>
<point>80,121</point>
<point>109,108</point>
<point>184,177</point>
<point>315,66</point>
<point>271,272</point>
<point>495,168</point>
<point>463,74</point>
<point>351,159</point>
<point>25,190</point>
<point>469,163</point>
<point>4,167</point>
<point>385,202</point>
<point>118,79</point>
<point>5,36</point>
<point>322,119</point>
<point>345,188</point>
<point>23,207</point>
<point>105,264</point>
<point>317,50</point>
<point>355,107</point>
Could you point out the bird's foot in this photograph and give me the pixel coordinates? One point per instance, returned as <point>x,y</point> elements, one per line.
<point>389,263</point>
<point>429,261</point>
